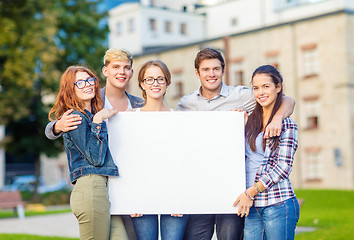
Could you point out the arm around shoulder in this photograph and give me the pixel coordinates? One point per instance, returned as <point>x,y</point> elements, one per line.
<point>286,108</point>
<point>49,131</point>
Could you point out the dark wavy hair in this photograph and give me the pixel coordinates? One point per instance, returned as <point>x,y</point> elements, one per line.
<point>255,120</point>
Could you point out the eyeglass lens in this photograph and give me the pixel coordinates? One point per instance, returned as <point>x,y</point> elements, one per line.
<point>82,83</point>
<point>150,80</point>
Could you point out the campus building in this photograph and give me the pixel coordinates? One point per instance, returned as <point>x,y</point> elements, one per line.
<point>311,42</point>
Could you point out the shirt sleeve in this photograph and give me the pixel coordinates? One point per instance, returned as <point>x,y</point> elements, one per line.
<point>249,102</point>
<point>49,131</point>
<point>183,104</point>
<point>283,158</point>
<point>91,141</point>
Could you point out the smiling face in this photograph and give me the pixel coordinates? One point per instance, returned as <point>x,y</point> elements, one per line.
<point>264,90</point>
<point>87,93</point>
<point>118,73</point>
<point>210,73</point>
<point>156,90</point>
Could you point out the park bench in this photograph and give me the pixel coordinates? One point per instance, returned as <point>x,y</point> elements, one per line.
<point>13,200</point>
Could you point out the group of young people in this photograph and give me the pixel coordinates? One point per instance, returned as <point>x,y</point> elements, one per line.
<point>268,207</point>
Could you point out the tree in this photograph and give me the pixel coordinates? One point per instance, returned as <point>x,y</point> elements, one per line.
<point>82,33</point>
<point>39,39</point>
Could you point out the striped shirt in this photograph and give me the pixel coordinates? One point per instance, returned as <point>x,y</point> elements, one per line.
<point>276,167</point>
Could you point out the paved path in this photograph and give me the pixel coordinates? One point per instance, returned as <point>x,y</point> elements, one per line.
<point>61,225</point>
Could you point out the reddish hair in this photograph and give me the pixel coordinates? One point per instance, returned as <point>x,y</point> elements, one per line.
<point>67,98</point>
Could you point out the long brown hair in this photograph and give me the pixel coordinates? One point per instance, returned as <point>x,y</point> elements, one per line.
<point>255,120</point>
<point>67,99</point>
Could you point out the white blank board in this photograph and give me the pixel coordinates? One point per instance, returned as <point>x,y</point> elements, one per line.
<point>176,162</point>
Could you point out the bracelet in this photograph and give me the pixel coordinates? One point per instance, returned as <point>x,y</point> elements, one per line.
<point>249,196</point>
<point>260,190</point>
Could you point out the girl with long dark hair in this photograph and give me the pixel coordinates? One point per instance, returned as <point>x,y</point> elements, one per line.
<point>269,202</point>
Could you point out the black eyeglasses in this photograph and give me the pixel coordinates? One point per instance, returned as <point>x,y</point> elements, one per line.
<point>151,80</point>
<point>80,84</point>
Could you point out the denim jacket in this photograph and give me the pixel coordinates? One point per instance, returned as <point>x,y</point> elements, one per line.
<point>87,149</point>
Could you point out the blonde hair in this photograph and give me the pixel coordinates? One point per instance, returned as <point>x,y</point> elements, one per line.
<point>113,54</point>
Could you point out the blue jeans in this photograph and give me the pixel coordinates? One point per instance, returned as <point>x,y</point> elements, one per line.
<point>275,222</point>
<point>201,227</point>
<point>147,227</point>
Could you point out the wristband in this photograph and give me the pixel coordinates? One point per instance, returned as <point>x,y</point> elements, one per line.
<point>260,190</point>
<point>249,196</point>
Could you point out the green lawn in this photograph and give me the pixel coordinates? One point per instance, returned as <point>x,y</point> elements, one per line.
<point>330,211</point>
<point>4,236</point>
<point>10,213</point>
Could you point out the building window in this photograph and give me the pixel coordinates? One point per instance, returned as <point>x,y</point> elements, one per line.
<point>312,107</point>
<point>310,60</point>
<point>239,77</point>
<point>178,83</point>
<point>131,25</point>
<point>168,27</point>
<point>233,22</point>
<point>237,72</point>
<point>313,165</point>
<point>284,4</point>
<point>272,58</point>
<point>119,28</point>
<point>183,29</point>
<point>153,24</point>
<point>179,89</point>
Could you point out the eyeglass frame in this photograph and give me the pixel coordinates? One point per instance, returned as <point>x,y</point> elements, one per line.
<point>86,81</point>
<point>155,79</point>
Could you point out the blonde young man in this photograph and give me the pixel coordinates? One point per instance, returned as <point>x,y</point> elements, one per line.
<point>118,71</point>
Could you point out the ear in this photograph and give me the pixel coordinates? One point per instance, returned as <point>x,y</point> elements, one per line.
<point>197,72</point>
<point>104,71</point>
<point>278,87</point>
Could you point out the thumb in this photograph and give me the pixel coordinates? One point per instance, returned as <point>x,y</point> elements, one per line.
<point>236,202</point>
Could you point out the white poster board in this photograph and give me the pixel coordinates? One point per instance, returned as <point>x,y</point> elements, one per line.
<point>176,162</point>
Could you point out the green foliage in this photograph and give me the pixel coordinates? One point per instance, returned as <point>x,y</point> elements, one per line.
<point>27,55</point>
<point>61,197</point>
<point>330,211</point>
<point>39,39</point>
<point>82,34</point>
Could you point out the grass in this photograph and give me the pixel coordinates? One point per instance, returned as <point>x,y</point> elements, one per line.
<point>331,212</point>
<point>10,213</point>
<point>4,236</point>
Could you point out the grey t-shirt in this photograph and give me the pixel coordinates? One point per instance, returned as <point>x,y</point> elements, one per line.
<point>229,98</point>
